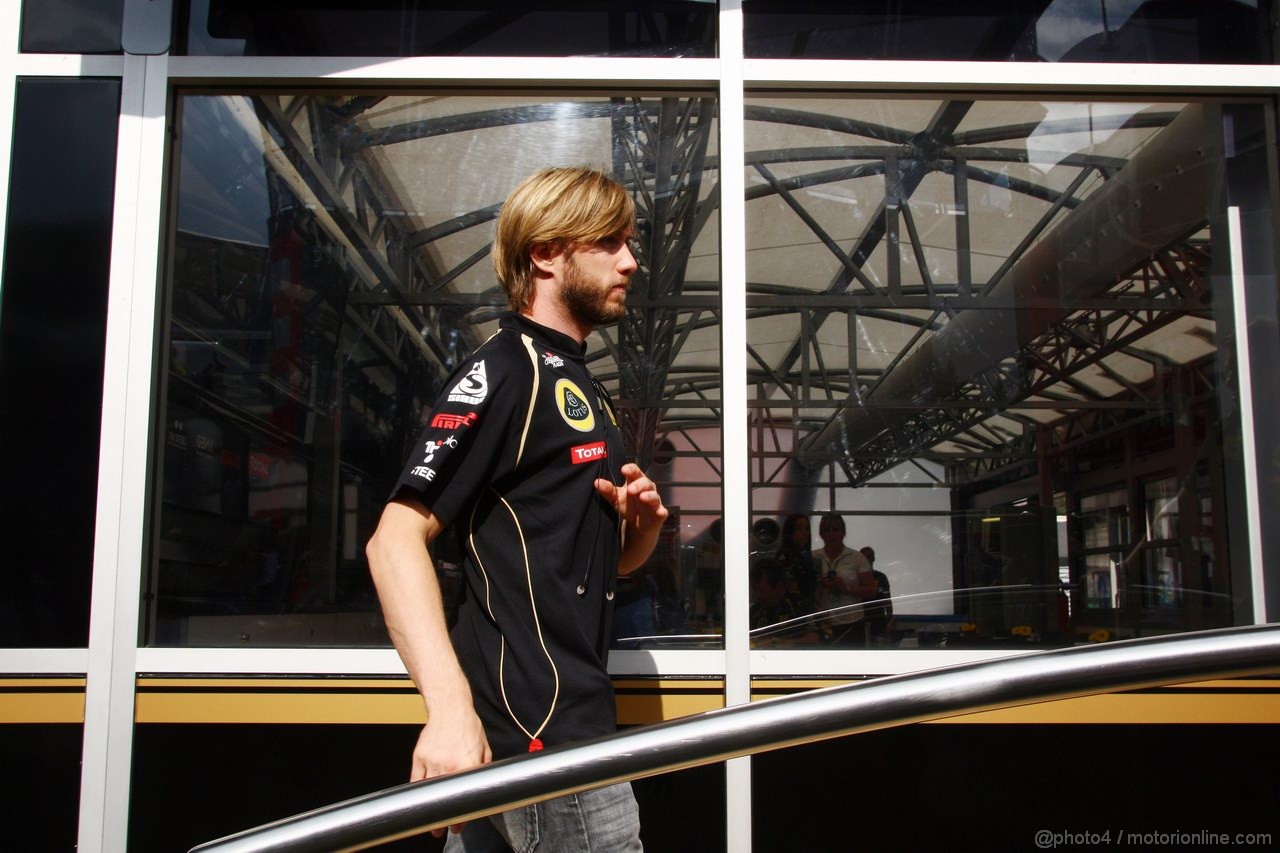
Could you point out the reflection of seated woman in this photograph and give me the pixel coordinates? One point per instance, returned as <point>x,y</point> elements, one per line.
<point>796,559</point>
<point>770,601</point>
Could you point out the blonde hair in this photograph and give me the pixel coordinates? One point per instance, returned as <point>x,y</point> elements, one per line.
<point>556,206</point>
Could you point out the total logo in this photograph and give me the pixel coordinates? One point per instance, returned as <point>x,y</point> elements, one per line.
<point>552,360</point>
<point>445,420</point>
<point>588,452</point>
<point>424,472</point>
<point>472,388</point>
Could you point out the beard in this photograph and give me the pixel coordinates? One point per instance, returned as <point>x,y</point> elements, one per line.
<point>588,301</point>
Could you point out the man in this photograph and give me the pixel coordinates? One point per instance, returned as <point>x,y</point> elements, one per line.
<point>523,459</point>
<point>845,580</point>
<point>878,616</point>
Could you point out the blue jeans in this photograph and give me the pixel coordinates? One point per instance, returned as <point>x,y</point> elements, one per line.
<point>605,820</point>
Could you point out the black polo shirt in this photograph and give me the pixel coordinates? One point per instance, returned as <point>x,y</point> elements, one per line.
<point>508,461</point>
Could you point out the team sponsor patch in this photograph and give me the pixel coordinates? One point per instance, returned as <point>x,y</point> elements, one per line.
<point>433,446</point>
<point>573,406</point>
<point>424,472</point>
<point>550,359</point>
<point>445,420</point>
<point>588,452</point>
<point>472,388</point>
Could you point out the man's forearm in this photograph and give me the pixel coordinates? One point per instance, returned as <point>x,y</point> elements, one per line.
<point>454,738</point>
<point>413,607</point>
<point>636,547</point>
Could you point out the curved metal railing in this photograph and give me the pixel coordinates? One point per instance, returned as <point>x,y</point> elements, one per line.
<point>761,726</point>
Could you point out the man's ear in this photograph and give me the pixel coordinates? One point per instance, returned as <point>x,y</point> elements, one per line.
<point>544,256</point>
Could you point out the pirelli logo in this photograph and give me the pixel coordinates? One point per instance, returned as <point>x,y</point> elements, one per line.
<point>588,452</point>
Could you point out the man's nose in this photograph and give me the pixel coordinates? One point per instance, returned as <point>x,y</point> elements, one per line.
<point>627,261</point>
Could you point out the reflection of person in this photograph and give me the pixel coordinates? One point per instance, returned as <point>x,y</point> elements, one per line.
<point>770,601</point>
<point>879,616</point>
<point>710,569</point>
<point>524,460</point>
<point>797,558</point>
<point>845,579</point>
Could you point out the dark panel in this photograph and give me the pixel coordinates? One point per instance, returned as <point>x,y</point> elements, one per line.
<point>195,783</point>
<point>40,786</point>
<point>71,26</point>
<point>1189,31</point>
<point>53,305</point>
<point>979,787</point>
<point>425,28</point>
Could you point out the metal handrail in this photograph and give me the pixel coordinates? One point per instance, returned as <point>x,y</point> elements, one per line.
<point>716,736</point>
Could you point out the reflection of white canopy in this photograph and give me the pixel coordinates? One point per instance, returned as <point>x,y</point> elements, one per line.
<point>877,221</point>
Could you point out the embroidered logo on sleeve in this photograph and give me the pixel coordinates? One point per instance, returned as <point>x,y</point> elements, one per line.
<point>472,388</point>
<point>588,452</point>
<point>573,407</point>
<point>445,420</point>
<point>433,446</point>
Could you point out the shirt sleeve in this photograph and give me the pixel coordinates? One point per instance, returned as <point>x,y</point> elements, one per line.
<point>467,440</point>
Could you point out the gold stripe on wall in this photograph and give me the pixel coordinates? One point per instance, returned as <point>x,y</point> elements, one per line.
<point>639,701</point>
<point>41,700</point>
<point>644,701</point>
<point>373,701</point>
<point>1131,708</point>
<point>300,701</point>
<point>1242,701</point>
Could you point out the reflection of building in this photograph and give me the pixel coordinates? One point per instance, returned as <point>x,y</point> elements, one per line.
<point>990,316</point>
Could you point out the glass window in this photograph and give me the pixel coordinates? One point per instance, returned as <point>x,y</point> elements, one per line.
<point>1222,31</point>
<point>53,316</point>
<point>492,28</point>
<point>71,26</point>
<point>41,784</point>
<point>330,267</point>
<point>987,336</point>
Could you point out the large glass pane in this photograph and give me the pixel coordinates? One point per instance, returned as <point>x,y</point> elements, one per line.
<point>41,784</point>
<point>426,28</point>
<point>330,266</point>
<point>53,318</point>
<point>994,339</point>
<point>71,26</point>
<point>1188,31</point>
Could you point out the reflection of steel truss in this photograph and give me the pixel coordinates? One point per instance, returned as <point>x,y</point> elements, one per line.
<point>1044,374</point>
<point>400,298</point>
<point>662,155</point>
<point>402,302</point>
<point>951,392</point>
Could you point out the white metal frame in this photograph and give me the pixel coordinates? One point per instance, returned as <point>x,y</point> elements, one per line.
<point>1249,449</point>
<point>113,659</point>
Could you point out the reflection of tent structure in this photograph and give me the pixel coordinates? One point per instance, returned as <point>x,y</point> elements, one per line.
<point>999,267</point>
<point>1091,252</point>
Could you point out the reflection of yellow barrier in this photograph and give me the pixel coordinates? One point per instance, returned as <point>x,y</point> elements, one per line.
<point>41,700</point>
<point>1224,702</point>
<point>640,701</point>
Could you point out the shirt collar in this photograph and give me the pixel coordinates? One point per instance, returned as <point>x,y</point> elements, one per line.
<point>543,335</point>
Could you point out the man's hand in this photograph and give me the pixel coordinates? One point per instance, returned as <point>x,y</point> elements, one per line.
<point>449,743</point>
<point>638,504</point>
<point>636,500</point>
